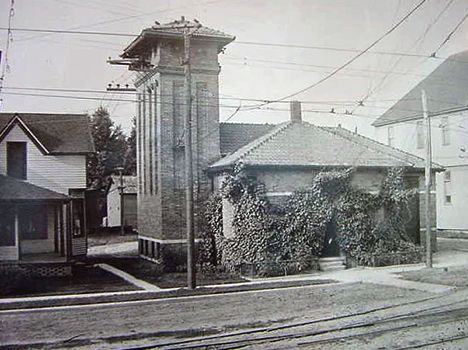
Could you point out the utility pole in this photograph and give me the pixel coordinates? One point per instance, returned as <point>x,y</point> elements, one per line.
<point>427,180</point>
<point>191,273</point>
<point>121,188</point>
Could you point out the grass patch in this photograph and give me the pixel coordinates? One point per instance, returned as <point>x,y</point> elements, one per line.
<point>85,279</point>
<point>152,273</point>
<point>449,276</point>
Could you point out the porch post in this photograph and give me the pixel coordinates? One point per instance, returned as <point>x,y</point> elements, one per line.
<point>56,229</point>
<point>17,233</point>
<point>62,230</point>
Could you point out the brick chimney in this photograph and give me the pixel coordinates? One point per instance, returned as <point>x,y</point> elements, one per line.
<point>296,113</point>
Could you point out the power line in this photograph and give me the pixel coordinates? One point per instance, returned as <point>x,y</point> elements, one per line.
<point>313,102</point>
<point>125,18</point>
<point>9,39</point>
<point>328,48</point>
<point>361,53</point>
<point>420,40</point>
<point>111,99</point>
<point>117,34</point>
<point>451,33</point>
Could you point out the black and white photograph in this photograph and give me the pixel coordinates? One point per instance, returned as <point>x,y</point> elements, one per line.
<point>234,174</point>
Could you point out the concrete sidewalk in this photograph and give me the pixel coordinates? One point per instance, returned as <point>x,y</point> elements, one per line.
<point>125,248</point>
<point>373,275</point>
<point>389,275</point>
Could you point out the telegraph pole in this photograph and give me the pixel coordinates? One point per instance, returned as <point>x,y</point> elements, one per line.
<point>427,180</point>
<point>191,273</point>
<point>121,188</point>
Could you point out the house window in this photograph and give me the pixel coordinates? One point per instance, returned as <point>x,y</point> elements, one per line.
<point>390,135</point>
<point>420,135</point>
<point>7,226</point>
<point>447,187</point>
<point>16,160</point>
<point>33,221</point>
<point>78,218</point>
<point>445,132</point>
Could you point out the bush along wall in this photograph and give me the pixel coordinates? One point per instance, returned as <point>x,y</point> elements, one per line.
<point>288,237</point>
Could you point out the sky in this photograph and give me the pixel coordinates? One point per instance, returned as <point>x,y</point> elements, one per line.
<point>266,72</point>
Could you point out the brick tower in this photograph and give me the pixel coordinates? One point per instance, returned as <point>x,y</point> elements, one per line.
<point>157,57</point>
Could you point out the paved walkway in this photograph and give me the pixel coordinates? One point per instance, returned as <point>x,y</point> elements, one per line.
<point>126,248</point>
<point>388,275</point>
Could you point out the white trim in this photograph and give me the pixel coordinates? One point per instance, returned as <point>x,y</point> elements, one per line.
<point>149,259</point>
<point>278,194</point>
<point>129,278</point>
<point>17,118</point>
<point>166,241</point>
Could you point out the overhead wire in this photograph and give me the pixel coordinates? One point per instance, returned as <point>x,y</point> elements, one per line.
<point>420,39</point>
<point>354,58</point>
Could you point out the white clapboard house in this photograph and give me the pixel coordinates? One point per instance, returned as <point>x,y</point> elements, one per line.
<point>42,187</point>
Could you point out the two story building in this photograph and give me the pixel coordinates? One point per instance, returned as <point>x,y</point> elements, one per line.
<point>402,126</point>
<point>42,187</point>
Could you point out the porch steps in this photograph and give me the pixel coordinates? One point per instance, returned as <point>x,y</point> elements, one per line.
<point>332,263</point>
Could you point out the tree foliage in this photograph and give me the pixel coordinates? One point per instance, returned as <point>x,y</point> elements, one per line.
<point>110,146</point>
<point>130,153</point>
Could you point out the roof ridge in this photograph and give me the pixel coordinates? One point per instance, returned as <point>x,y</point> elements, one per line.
<point>254,144</point>
<point>381,144</point>
<point>377,150</point>
<point>263,124</point>
<point>43,113</point>
<point>264,138</point>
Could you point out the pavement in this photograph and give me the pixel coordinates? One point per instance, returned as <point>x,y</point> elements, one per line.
<point>114,249</point>
<point>385,276</point>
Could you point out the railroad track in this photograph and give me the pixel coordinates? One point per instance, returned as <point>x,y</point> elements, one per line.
<point>335,330</point>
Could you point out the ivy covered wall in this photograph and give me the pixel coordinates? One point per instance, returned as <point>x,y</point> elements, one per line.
<point>368,221</point>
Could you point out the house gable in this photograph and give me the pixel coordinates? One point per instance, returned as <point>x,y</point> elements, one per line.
<point>16,121</point>
<point>55,172</point>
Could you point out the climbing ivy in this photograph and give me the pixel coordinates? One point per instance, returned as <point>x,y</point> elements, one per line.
<point>294,232</point>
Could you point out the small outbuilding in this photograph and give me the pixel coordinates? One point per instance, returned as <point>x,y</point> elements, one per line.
<point>122,202</point>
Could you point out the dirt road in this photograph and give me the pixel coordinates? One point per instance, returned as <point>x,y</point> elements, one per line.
<point>115,326</point>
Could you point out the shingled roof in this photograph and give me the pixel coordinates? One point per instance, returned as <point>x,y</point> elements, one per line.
<point>165,31</point>
<point>235,135</point>
<point>446,90</point>
<point>306,145</point>
<point>56,133</point>
<point>12,189</point>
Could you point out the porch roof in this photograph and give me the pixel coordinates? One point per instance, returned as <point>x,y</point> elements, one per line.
<point>12,189</point>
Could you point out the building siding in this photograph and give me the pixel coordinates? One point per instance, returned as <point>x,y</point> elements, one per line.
<point>54,172</point>
<point>451,156</point>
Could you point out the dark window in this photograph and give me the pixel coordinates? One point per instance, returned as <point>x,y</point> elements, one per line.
<point>7,226</point>
<point>33,221</point>
<point>78,218</point>
<point>16,160</point>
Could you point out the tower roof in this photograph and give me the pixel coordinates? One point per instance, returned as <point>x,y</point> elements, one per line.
<point>175,30</point>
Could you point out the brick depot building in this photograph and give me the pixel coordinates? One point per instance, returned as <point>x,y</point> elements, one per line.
<point>285,157</point>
